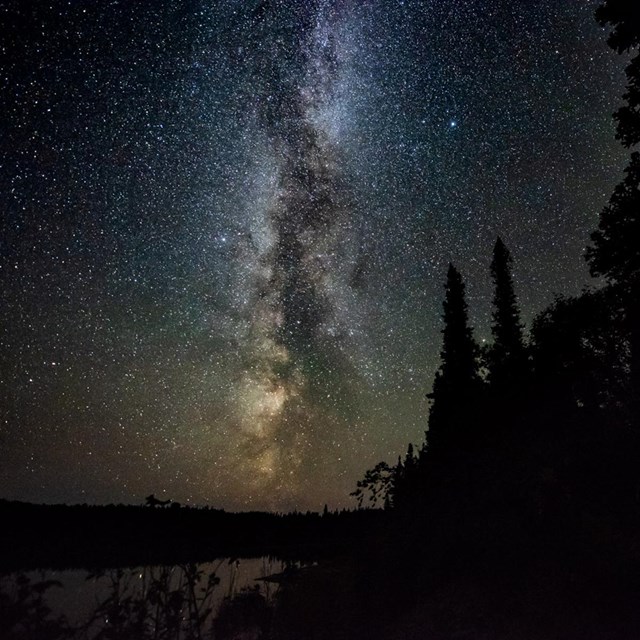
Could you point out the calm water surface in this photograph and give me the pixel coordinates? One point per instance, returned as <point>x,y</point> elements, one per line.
<point>226,598</point>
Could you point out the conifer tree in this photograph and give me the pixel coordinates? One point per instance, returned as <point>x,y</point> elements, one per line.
<point>457,380</point>
<point>507,358</point>
<point>406,481</point>
<point>459,367</point>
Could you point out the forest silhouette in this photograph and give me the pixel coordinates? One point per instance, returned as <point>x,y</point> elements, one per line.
<point>517,517</point>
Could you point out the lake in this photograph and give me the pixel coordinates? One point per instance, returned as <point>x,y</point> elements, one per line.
<point>226,598</point>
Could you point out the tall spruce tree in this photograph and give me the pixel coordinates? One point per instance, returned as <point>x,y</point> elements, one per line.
<point>456,384</point>
<point>506,358</point>
<point>459,366</point>
<point>615,252</point>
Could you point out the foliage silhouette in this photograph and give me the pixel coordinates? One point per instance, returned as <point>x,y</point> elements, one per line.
<point>615,252</point>
<point>375,486</point>
<point>507,358</point>
<point>24,612</point>
<point>457,382</point>
<point>152,501</point>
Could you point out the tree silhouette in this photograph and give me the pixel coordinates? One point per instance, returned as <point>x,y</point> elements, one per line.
<point>580,354</point>
<point>624,17</point>
<point>457,381</point>
<point>376,485</point>
<point>152,501</point>
<point>615,253</point>
<point>406,481</point>
<point>507,360</point>
<point>459,367</point>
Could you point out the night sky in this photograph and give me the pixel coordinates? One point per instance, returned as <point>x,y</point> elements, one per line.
<point>225,227</point>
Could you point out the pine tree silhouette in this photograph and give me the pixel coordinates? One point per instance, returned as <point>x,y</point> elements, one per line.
<point>507,359</point>
<point>406,482</point>
<point>456,385</point>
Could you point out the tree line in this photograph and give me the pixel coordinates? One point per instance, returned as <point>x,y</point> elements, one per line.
<point>545,426</point>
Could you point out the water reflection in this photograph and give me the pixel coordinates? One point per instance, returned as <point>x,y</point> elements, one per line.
<point>227,598</point>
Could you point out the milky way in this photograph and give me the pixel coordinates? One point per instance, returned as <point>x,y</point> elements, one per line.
<point>225,227</point>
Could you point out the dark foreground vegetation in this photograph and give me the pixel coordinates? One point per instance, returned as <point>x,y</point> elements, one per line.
<point>519,516</point>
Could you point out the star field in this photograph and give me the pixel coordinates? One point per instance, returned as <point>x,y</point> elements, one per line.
<point>225,227</point>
